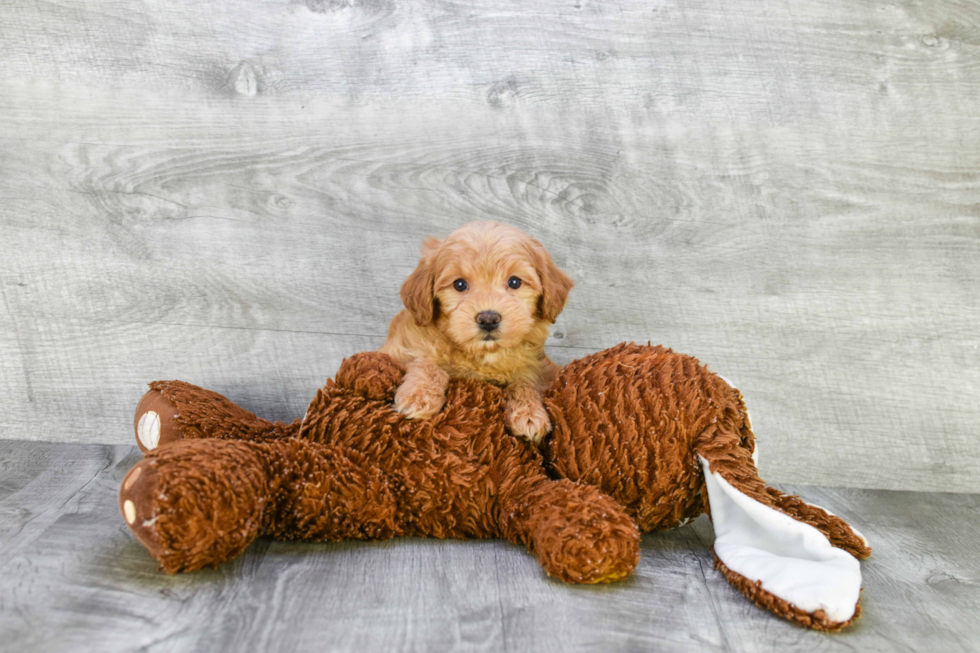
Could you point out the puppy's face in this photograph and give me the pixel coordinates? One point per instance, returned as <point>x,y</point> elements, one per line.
<point>487,286</point>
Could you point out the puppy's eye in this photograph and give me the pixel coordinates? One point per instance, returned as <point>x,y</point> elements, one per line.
<point>460,285</point>
<point>514,283</point>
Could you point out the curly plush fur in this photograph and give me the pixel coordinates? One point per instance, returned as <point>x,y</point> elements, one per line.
<point>629,425</point>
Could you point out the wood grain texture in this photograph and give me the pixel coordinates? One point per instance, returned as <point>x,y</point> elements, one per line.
<point>73,578</point>
<point>232,193</point>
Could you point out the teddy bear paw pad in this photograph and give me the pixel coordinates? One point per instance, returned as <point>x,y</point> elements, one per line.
<point>136,502</point>
<point>148,429</point>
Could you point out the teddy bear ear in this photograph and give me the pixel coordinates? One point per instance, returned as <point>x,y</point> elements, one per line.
<point>418,290</point>
<point>781,562</point>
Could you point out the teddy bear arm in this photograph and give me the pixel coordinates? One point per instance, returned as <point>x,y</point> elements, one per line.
<point>578,534</point>
<point>372,374</point>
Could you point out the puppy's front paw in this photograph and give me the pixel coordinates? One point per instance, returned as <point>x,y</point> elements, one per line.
<point>418,400</point>
<point>527,419</point>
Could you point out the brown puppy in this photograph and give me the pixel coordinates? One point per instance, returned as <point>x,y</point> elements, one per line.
<point>479,306</point>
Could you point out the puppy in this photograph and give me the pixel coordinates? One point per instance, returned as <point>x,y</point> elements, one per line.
<point>479,306</point>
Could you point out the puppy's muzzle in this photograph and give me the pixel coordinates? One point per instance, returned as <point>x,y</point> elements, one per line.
<point>488,320</point>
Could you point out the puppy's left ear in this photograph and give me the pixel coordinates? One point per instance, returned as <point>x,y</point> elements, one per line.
<point>418,291</point>
<point>555,284</point>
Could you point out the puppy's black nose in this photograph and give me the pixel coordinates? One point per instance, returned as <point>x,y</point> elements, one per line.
<point>488,320</point>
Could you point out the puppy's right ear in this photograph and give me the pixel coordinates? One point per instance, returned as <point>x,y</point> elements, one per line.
<point>555,284</point>
<point>418,291</point>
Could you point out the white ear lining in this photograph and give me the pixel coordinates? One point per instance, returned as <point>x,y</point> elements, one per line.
<point>793,560</point>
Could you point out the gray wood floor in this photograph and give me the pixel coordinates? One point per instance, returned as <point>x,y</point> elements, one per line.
<point>231,193</point>
<point>73,579</point>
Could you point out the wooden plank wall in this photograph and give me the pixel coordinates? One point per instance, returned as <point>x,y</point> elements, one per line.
<point>232,192</point>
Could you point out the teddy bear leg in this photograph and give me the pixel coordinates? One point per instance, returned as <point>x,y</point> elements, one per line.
<point>174,410</point>
<point>578,534</point>
<point>198,503</point>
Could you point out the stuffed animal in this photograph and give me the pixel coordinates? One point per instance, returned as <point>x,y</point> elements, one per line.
<point>644,439</point>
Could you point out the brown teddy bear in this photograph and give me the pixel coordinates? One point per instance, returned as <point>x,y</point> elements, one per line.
<point>644,439</point>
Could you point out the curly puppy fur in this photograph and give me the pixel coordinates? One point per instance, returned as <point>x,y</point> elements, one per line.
<point>464,318</point>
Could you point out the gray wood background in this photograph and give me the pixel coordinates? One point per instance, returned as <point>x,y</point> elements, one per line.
<point>231,193</point>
